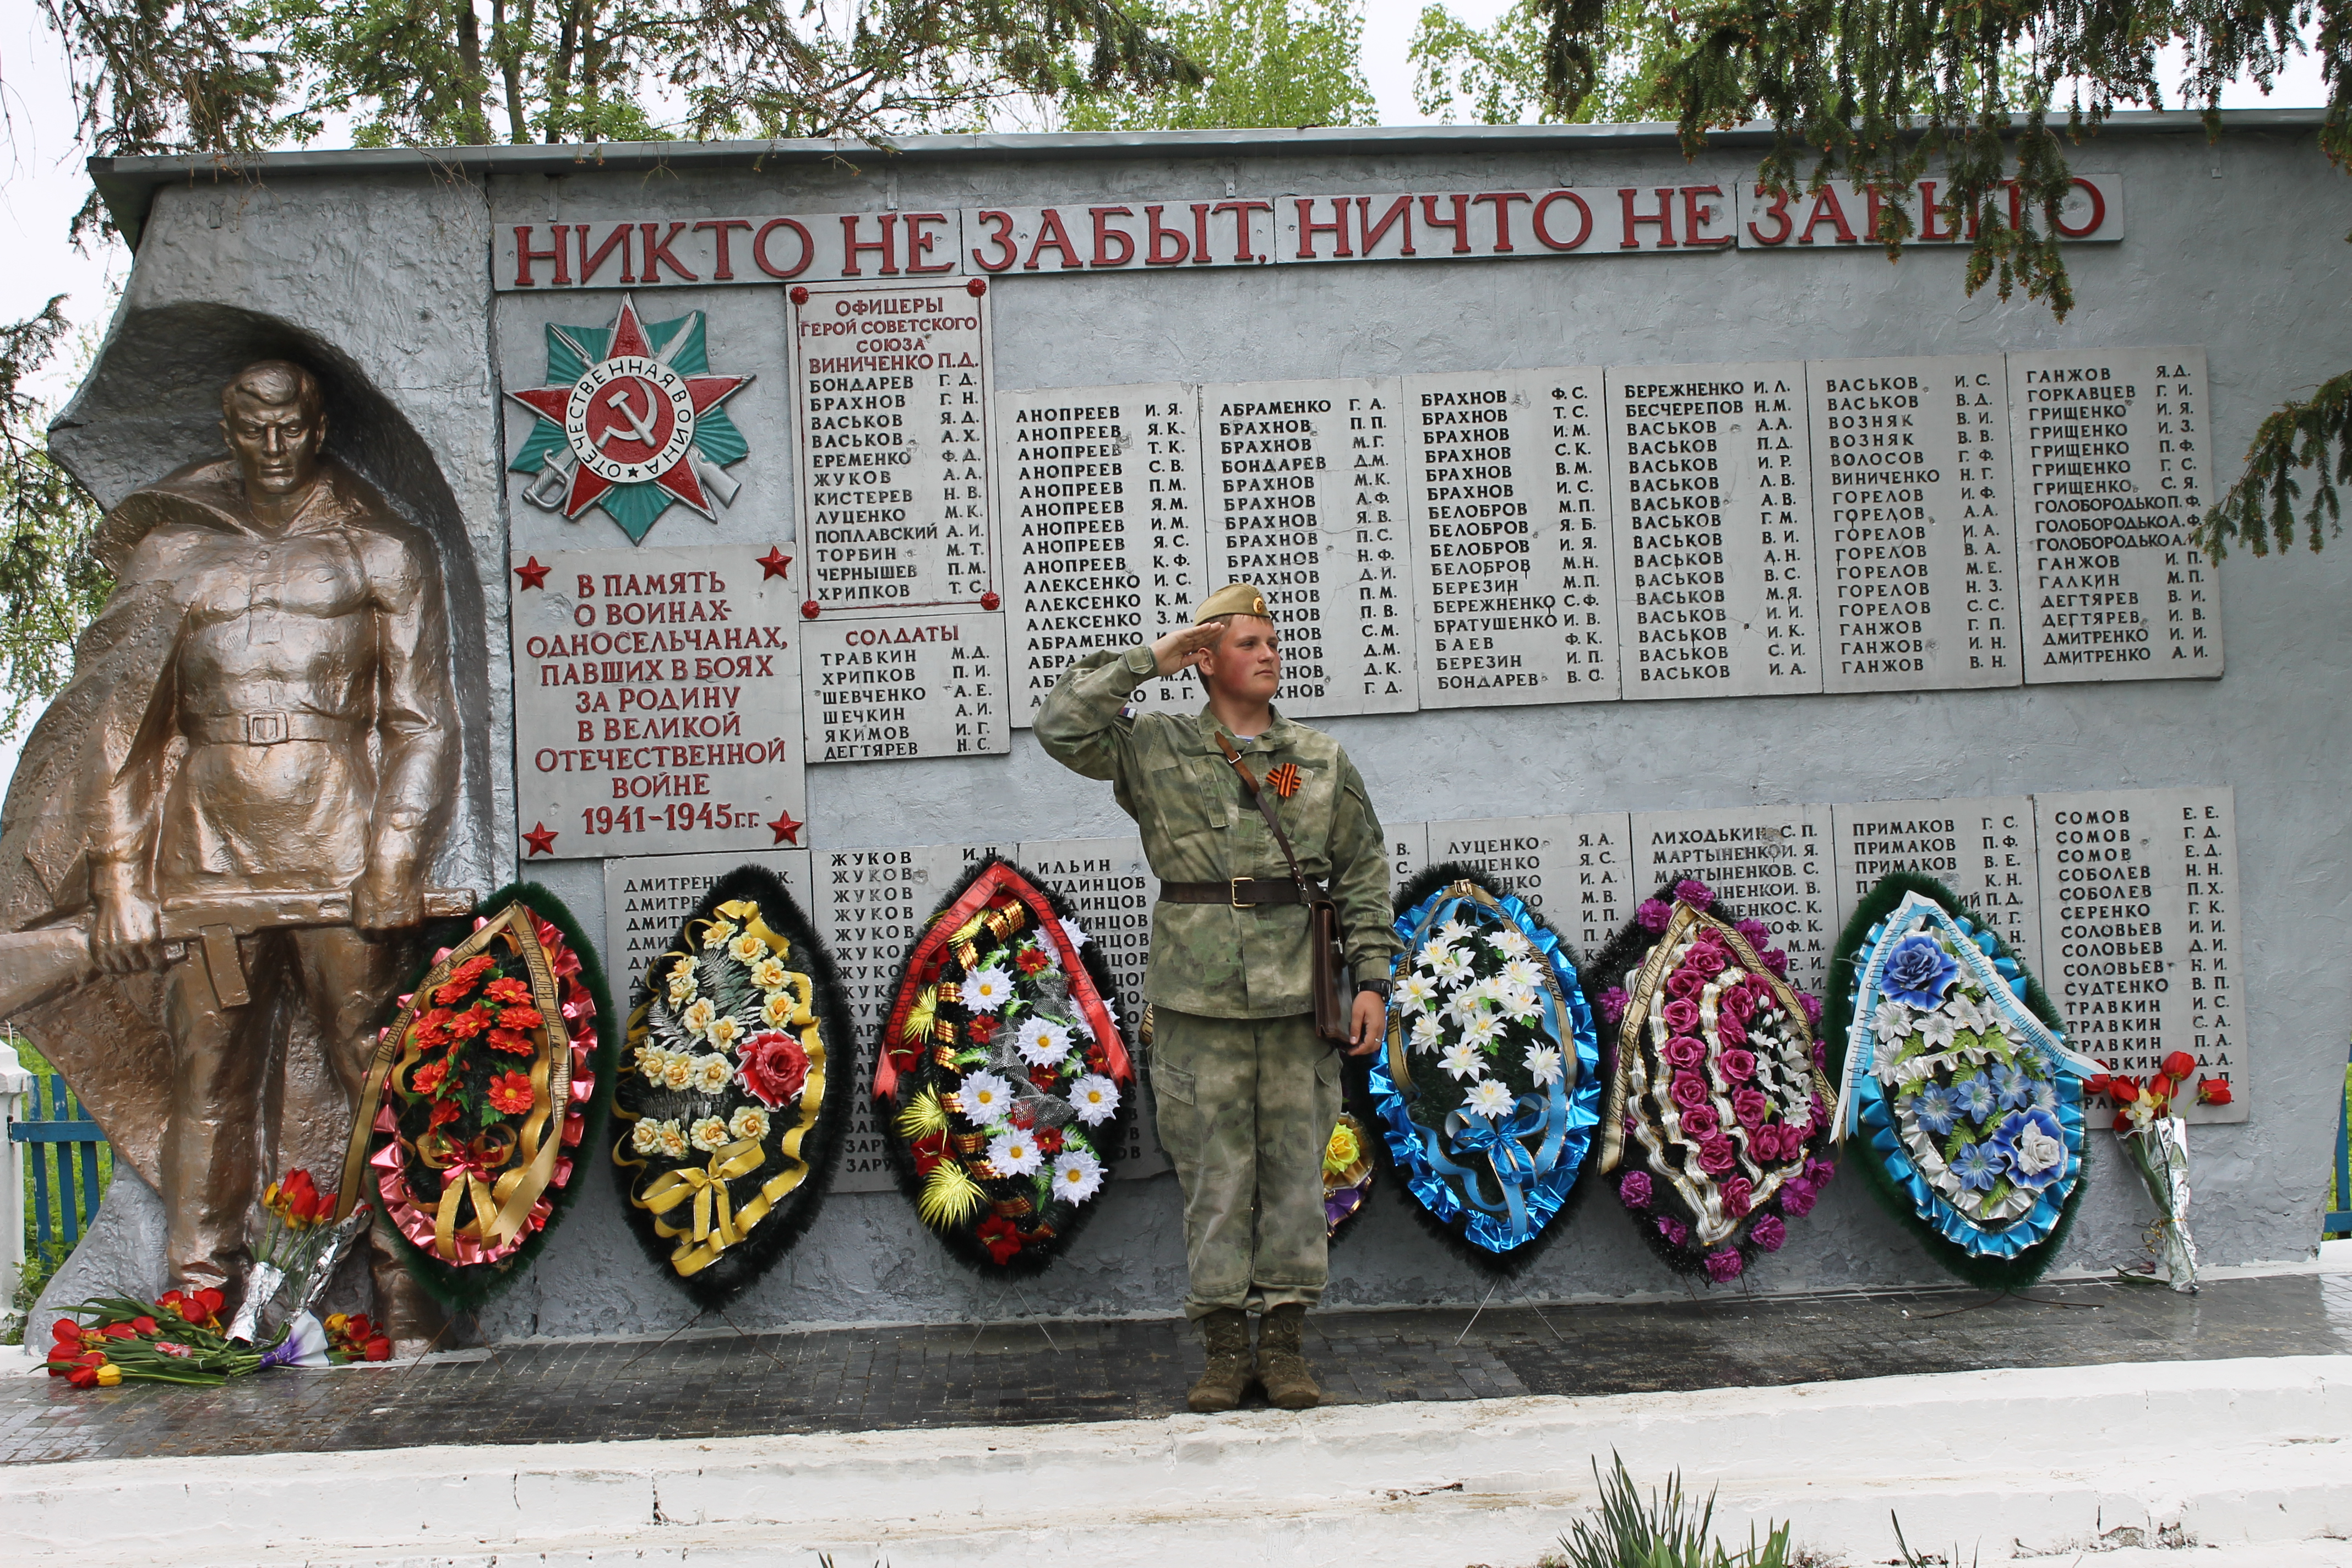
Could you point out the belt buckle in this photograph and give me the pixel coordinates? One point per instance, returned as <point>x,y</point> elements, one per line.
<point>265,729</point>
<point>1233,891</point>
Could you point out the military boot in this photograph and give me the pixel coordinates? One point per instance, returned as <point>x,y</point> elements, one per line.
<point>1226,1332</point>
<point>1281,1365</point>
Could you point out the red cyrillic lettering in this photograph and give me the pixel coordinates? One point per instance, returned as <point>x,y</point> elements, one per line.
<point>724,271</point>
<point>760,247</point>
<point>1663,218</point>
<point>525,255</point>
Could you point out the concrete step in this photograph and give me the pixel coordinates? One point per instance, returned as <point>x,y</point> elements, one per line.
<point>2241,1457</point>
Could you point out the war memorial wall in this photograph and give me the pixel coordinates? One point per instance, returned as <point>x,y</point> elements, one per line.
<point>1623,522</point>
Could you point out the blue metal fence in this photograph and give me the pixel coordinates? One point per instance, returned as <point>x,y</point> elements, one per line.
<point>63,1151</point>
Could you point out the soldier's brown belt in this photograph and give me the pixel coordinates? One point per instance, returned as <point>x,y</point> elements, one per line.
<point>266,728</point>
<point>1241,892</point>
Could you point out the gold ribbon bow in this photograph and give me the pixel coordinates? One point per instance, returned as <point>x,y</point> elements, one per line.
<point>713,1224</point>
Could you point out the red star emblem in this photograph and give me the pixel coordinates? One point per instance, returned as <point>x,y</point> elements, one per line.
<point>775,563</point>
<point>629,419</point>
<point>541,839</point>
<point>532,573</point>
<point>787,831</point>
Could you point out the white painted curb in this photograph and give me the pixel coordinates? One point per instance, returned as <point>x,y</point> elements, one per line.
<point>2235,1453</point>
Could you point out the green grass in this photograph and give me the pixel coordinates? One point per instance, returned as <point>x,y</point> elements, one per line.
<point>1669,1530</point>
<point>2336,1199</point>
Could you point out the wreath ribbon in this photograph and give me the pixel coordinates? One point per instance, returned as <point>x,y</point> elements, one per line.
<point>714,1213</point>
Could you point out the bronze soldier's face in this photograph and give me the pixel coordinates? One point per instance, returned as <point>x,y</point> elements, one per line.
<point>276,444</point>
<point>1247,660</point>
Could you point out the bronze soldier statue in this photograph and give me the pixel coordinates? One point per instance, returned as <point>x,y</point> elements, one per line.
<point>1248,1092</point>
<point>258,752</point>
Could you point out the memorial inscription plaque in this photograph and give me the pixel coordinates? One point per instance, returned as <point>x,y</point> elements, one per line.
<point>1771,863</point>
<point>871,905</point>
<point>930,684</point>
<point>1306,499</point>
<point>646,895</point>
<point>1982,848</point>
<point>1408,851</point>
<point>1712,495</point>
<point>1575,869</point>
<point>892,408</point>
<point>1919,539</point>
<point>2109,447</point>
<point>658,701</point>
<point>1100,524</point>
<point>2139,901</point>
<point>1514,566</point>
<point>1111,888</point>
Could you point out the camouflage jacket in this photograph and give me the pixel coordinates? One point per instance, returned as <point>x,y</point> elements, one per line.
<point>1198,827</point>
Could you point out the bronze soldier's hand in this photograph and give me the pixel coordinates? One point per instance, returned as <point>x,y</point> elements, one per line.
<point>1370,1024</point>
<point>1183,650</point>
<point>386,901</point>
<point>124,930</point>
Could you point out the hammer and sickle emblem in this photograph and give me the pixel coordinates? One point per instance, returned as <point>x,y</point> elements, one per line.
<point>640,426</point>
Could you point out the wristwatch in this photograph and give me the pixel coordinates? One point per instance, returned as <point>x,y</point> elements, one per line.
<point>1379,988</point>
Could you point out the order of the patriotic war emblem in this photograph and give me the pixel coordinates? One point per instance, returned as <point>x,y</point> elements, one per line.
<point>630,420</point>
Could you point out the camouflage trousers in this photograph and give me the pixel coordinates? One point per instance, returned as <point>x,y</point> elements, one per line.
<point>1246,1107</point>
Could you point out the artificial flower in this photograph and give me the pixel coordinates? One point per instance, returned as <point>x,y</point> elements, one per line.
<point>1543,1064</point>
<point>519,1018</point>
<point>1519,974</point>
<point>778,1010</point>
<point>1700,1122</point>
<point>470,1023</point>
<point>1730,1030</point>
<point>1706,960</point>
<point>1917,971</point>
<point>1093,1099</point>
<point>698,1017</point>
<point>1635,1190</point>
<point>1938,1029</point>
<point>1511,942</point>
<point>1032,960</point>
<point>747,948</point>
<point>1688,1089</point>
<point>426,1079</point>
<point>1769,1233</point>
<point>1074,933</point>
<point>672,1138</point>
<point>996,1233</point>
<point>1683,1052</point>
<point>985,1098</point>
<point>710,1072</point>
<point>1428,1032</point>
<point>444,1111</point>
<point>1416,993</point>
<point>1811,1006</point>
<point>1043,1041</point>
<point>1655,915</point>
<point>1777,963</point>
<point>2033,1146</point>
<point>1750,1107</point>
<point>1673,1230</point>
<point>1521,1004</point>
<point>1737,1065</point>
<point>1489,1097</point>
<point>1978,1166</point>
<point>507,991</point>
<point>646,1136</point>
<point>1891,1022</point>
<point>677,1071</point>
<point>512,1042</point>
<point>1681,1015</point>
<point>1613,1003</point>
<point>510,1093</point>
<point>1483,1031</point>
<point>1696,894</point>
<point>987,990</point>
<point>1724,1266</point>
<point>769,974</point>
<point>1014,1153</point>
<point>1738,1196</point>
<point>1975,1096</point>
<point>718,932</point>
<point>773,1067</point>
<point>682,984</point>
<point>1462,1060</point>
<point>1342,1150</point>
<point>708,1134</point>
<point>1962,1006</point>
<point>1455,929</point>
<point>1755,932</point>
<point>2012,1087</point>
<point>1716,1155</point>
<point>1798,1196</point>
<point>1446,964</point>
<point>1078,1175</point>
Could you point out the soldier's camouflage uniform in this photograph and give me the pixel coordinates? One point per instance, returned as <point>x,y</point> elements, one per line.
<point>1247,1091</point>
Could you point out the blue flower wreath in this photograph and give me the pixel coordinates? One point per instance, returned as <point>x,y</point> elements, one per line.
<point>1444,1169</point>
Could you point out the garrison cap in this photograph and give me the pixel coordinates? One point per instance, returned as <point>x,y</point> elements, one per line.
<point>1233,599</point>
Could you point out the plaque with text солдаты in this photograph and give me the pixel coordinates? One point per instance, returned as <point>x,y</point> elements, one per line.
<point>658,701</point>
<point>1918,547</point>
<point>2139,901</point>
<point>871,905</point>
<point>927,685</point>
<point>891,411</point>
<point>1111,888</point>
<point>645,896</point>
<point>1508,489</point>
<point>1770,863</point>
<point>1099,520</point>
<point>1711,491</point>
<point>1306,499</point>
<point>2110,446</point>
<point>1574,869</point>
<point>1982,848</point>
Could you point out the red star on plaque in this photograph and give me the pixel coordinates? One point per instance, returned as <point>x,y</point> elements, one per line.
<point>629,419</point>
<point>532,573</point>
<point>541,839</point>
<point>1284,781</point>
<point>787,831</point>
<point>775,563</point>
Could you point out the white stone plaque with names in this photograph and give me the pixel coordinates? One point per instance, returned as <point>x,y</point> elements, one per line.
<point>1770,863</point>
<point>2110,447</point>
<point>1982,848</point>
<point>1111,888</point>
<point>872,905</point>
<point>2139,923</point>
<point>928,684</point>
<point>1408,851</point>
<point>1711,491</point>
<point>645,896</point>
<point>1918,538</point>
<point>1507,491</point>
<point>657,697</point>
<point>1574,869</point>
<point>891,408</point>
<point>1305,499</point>
<point>1099,523</point>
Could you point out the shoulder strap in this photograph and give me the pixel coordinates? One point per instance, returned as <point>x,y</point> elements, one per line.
<point>1249,787</point>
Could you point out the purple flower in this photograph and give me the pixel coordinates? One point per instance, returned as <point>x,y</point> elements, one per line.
<point>1767,1143</point>
<point>1750,1106</point>
<point>1797,1196</point>
<point>1756,933</point>
<point>1716,1155</point>
<point>1728,1029</point>
<point>1688,1089</point>
<point>1697,895</point>
<point>1812,1007</point>
<point>1613,1003</point>
<point>1776,961</point>
<point>1686,981</point>
<point>1700,1122</point>
<point>1680,1015</point>
<point>1739,1198</point>
<point>1635,1189</point>
<point>1724,1266</point>
<point>1819,1171</point>
<point>1673,1230</point>
<point>1653,914</point>
<point>1683,1052</point>
<point>1738,1066</point>
<point>1769,1233</point>
<point>1738,1002</point>
<point>1820,1056</point>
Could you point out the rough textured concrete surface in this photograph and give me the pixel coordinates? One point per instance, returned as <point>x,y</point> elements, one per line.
<point>386,274</point>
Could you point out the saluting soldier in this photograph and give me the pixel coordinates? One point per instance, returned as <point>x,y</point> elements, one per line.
<point>1248,1091</point>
